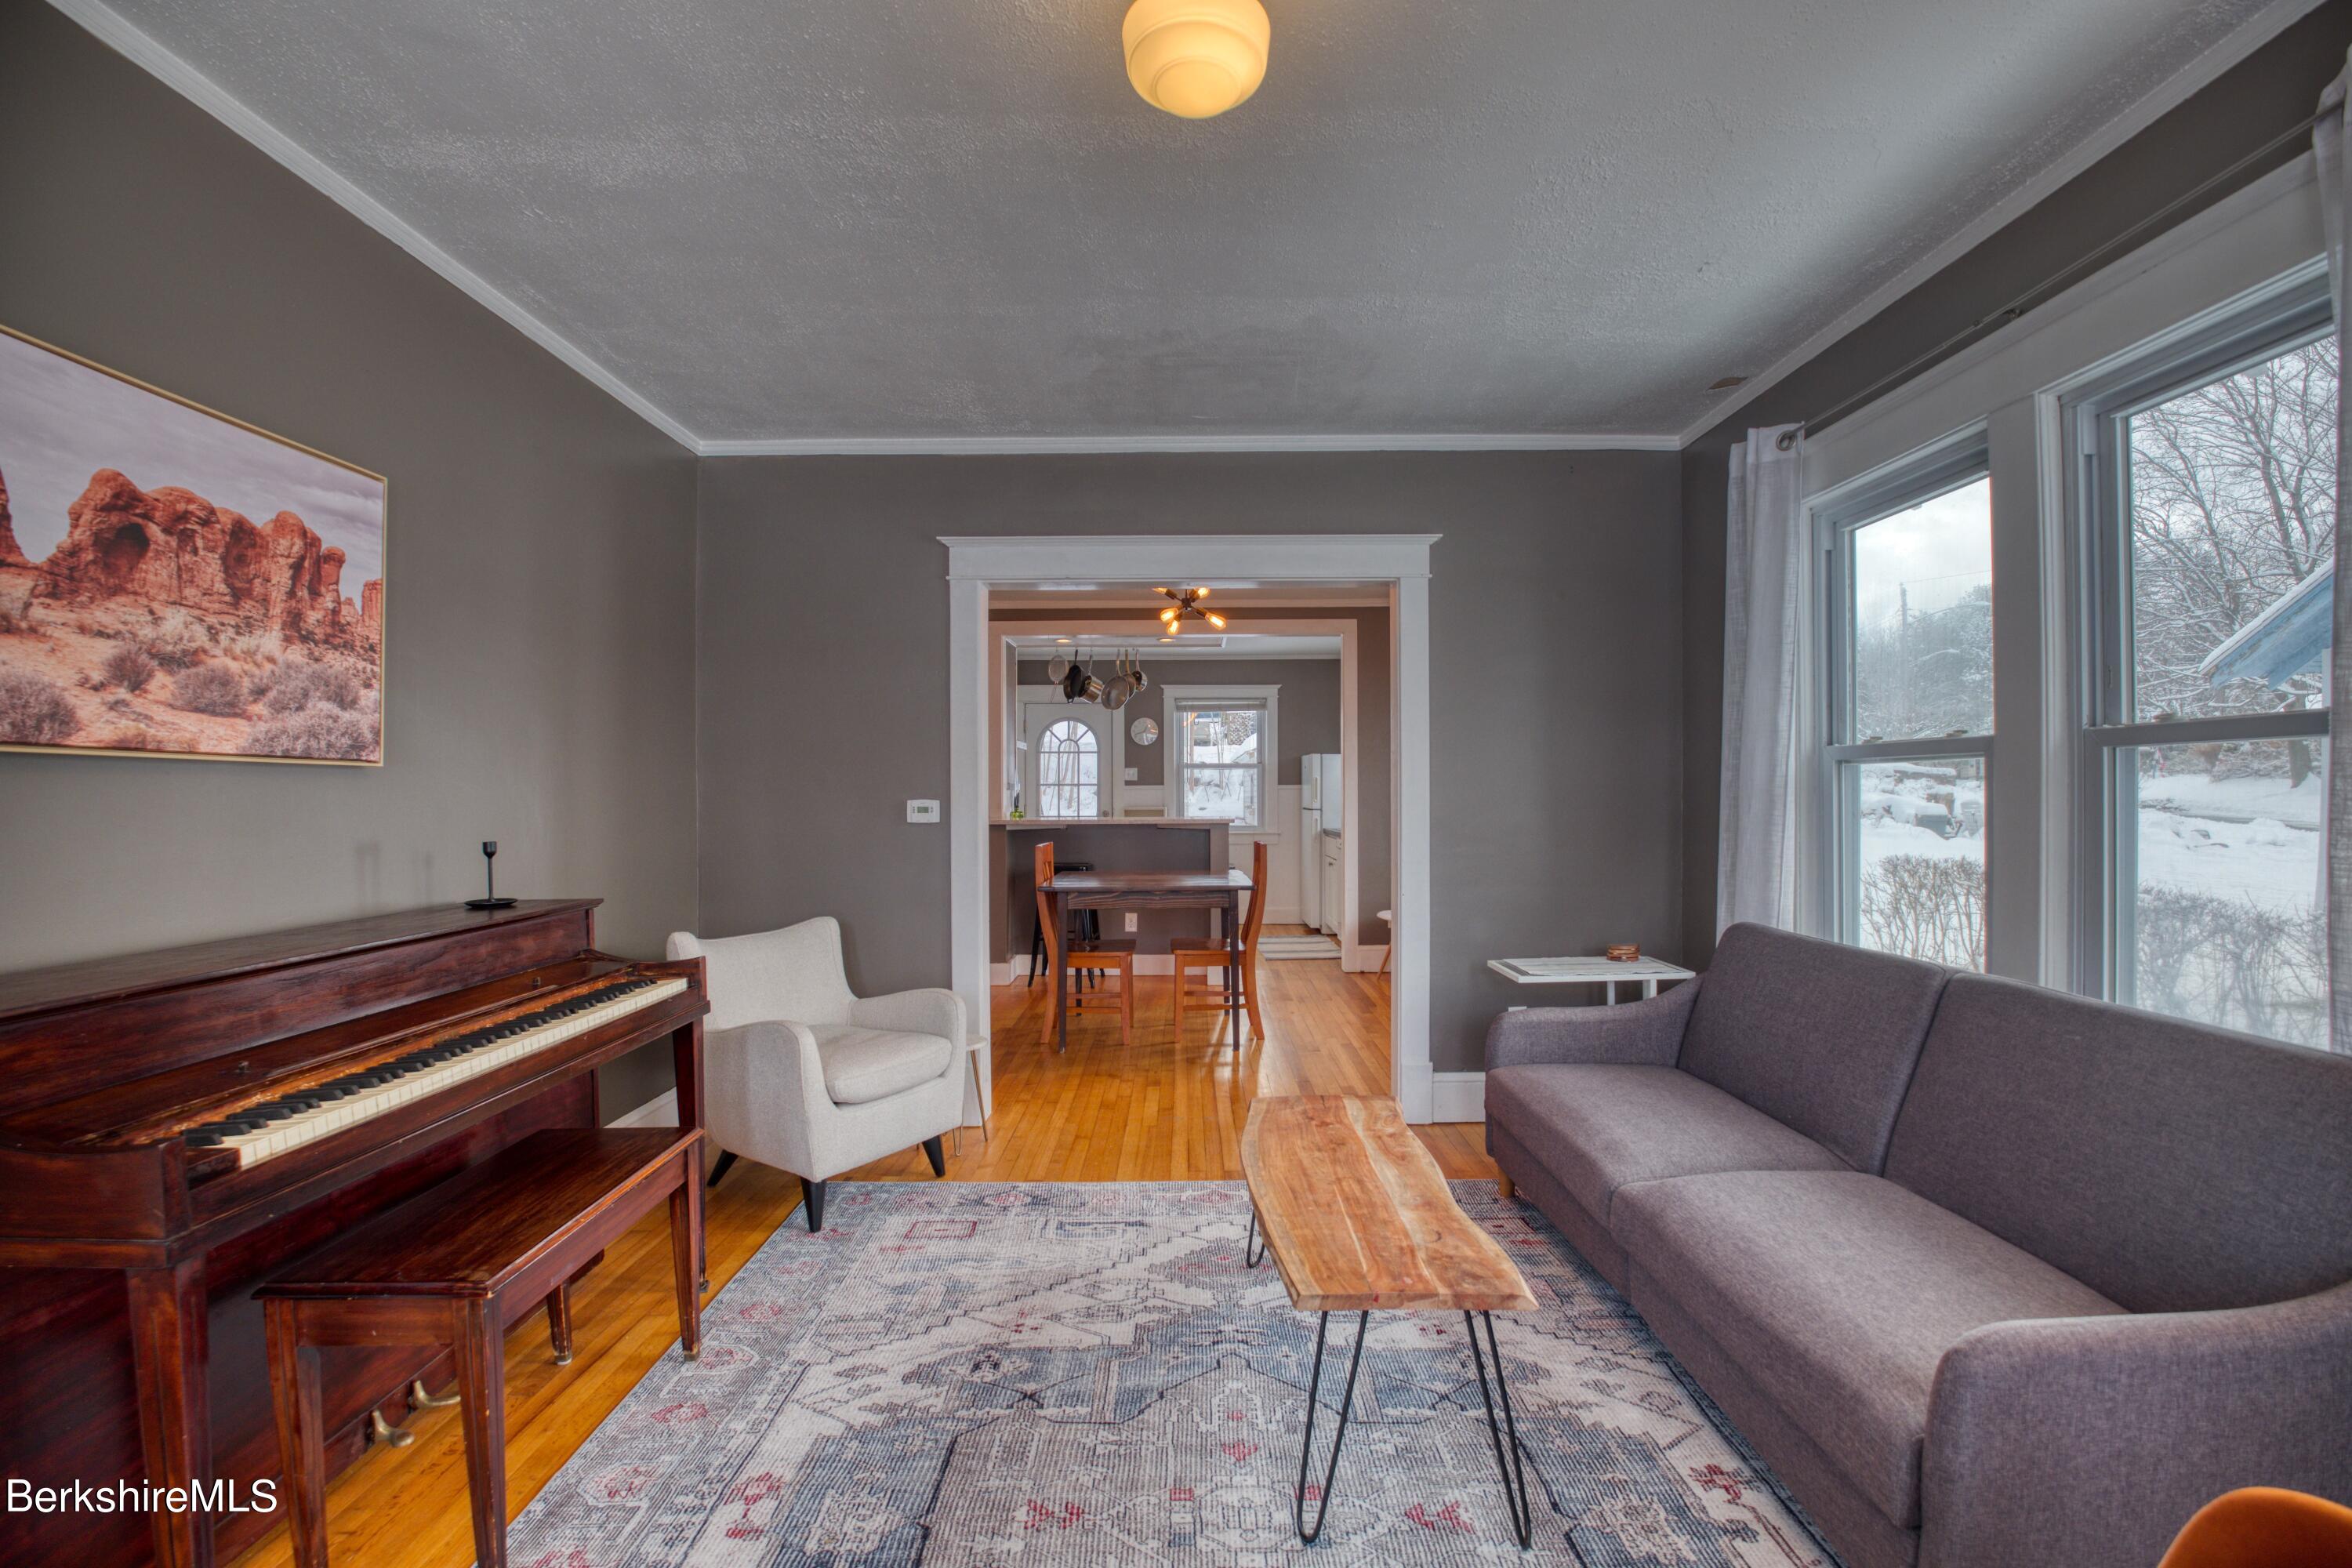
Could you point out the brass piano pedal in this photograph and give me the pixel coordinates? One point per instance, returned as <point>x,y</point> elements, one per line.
<point>383,1431</point>
<point>420,1400</point>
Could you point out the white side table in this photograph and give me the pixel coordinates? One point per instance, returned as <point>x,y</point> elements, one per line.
<point>1606,973</point>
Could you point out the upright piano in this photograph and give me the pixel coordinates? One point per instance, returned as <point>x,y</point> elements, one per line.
<point>177,1125</point>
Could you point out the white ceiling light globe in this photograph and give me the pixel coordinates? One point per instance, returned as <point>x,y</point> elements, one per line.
<point>1196,57</point>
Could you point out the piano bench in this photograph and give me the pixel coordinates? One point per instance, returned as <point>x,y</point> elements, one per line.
<point>458,1266</point>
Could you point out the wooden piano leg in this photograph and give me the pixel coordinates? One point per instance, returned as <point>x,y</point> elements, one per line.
<point>686,1044</point>
<point>301,1442</point>
<point>685,1225</point>
<point>559,1322</point>
<point>482,1387</point>
<point>171,1347</point>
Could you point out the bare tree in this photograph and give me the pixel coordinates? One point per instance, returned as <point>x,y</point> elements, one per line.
<point>2232,504</point>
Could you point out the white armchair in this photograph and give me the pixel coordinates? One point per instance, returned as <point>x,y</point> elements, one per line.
<point>800,1074</point>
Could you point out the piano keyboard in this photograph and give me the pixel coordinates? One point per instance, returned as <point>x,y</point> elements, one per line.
<point>275,1127</point>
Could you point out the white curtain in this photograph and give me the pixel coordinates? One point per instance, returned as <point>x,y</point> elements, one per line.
<point>1763,631</point>
<point>2330,144</point>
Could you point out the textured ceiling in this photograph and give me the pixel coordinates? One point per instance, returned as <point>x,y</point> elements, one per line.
<point>911,218</point>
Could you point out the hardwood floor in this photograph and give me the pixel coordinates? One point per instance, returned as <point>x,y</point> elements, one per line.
<point>1163,1108</point>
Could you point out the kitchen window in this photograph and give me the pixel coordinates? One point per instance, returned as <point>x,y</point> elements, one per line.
<point>2206,531</point>
<point>1910,718</point>
<point>1222,748</point>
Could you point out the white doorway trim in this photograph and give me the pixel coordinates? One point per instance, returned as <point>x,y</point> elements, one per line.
<point>1396,562</point>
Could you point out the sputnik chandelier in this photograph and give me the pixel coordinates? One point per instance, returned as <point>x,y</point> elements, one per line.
<point>1187,604</point>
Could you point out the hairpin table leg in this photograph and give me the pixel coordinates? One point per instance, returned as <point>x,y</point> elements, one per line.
<point>1307,1444</point>
<point>1252,1250</point>
<point>1515,1468</point>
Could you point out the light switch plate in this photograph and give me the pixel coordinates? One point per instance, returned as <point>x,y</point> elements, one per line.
<point>922,811</point>
<point>1131,774</point>
<point>1131,921</point>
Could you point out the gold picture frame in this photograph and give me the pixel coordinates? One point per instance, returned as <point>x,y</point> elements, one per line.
<point>149,616</point>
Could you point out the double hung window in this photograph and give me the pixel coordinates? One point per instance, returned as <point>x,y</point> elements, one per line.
<point>1910,718</point>
<point>2207,513</point>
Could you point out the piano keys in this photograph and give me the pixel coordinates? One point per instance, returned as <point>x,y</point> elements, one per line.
<point>174,1127</point>
<point>309,1110</point>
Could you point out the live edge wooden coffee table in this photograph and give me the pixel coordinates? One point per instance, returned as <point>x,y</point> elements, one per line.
<point>1359,1219</point>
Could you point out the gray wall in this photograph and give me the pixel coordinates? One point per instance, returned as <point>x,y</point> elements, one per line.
<point>540,589</point>
<point>1556,658</point>
<point>1308,707</point>
<point>2265,95</point>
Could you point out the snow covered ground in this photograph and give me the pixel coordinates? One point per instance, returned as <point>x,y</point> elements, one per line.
<point>2242,838</point>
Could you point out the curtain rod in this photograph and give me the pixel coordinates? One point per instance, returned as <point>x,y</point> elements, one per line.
<point>2049,286</point>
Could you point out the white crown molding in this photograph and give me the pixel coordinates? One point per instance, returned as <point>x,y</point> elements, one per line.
<point>1218,559</point>
<point>1020,446</point>
<point>2169,94</point>
<point>142,50</point>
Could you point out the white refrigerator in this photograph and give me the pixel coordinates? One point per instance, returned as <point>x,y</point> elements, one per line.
<point>1319,814</point>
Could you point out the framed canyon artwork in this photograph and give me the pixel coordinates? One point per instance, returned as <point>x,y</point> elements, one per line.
<point>175,583</point>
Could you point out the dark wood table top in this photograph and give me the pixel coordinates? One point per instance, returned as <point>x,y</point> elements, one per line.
<point>1148,882</point>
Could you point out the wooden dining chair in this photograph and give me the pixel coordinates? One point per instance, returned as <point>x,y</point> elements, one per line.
<point>1098,954</point>
<point>1198,955</point>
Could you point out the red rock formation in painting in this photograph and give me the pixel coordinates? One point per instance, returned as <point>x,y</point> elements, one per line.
<point>171,546</point>
<point>10,555</point>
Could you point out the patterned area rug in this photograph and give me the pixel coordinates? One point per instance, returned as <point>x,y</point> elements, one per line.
<point>1086,1375</point>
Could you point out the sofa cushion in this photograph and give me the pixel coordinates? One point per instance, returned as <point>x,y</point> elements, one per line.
<point>1816,1034</point>
<point>1837,1293</point>
<point>2174,1167</point>
<point>862,1065</point>
<point>1597,1128</point>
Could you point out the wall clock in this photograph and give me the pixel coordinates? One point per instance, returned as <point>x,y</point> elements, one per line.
<point>1144,730</point>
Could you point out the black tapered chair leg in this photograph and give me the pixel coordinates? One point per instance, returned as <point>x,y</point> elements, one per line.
<point>718,1166</point>
<point>813,1200</point>
<point>936,1154</point>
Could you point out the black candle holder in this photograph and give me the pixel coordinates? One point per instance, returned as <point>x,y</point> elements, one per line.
<point>490,900</point>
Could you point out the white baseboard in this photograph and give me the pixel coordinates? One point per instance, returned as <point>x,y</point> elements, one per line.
<point>1458,1096</point>
<point>1002,973</point>
<point>1364,957</point>
<point>1278,915</point>
<point>661,1110</point>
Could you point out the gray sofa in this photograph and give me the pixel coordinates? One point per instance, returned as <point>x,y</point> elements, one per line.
<point>1990,1276</point>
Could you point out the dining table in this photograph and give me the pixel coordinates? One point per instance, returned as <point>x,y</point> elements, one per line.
<point>1070,890</point>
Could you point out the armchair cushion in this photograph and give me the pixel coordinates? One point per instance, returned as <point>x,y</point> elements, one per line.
<point>863,1065</point>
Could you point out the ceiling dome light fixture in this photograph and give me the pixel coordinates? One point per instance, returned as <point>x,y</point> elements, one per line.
<point>1196,57</point>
